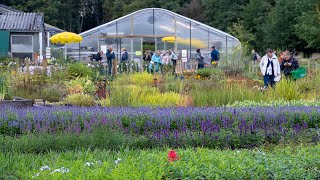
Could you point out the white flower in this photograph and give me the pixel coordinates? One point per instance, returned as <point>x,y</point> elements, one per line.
<point>61,170</point>
<point>36,175</point>
<point>44,168</point>
<point>117,161</point>
<point>99,162</point>
<point>88,163</point>
<point>238,151</point>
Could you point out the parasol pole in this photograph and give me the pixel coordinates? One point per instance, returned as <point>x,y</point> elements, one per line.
<point>65,52</point>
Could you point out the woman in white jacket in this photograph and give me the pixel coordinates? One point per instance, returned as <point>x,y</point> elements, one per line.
<point>270,68</point>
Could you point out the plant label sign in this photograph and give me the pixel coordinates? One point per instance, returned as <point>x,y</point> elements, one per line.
<point>184,53</point>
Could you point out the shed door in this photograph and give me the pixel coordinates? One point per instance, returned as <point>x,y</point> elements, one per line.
<point>4,43</point>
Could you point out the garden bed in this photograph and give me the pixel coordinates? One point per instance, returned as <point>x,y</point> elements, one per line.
<point>17,102</point>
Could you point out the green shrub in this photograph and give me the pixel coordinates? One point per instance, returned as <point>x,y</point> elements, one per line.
<point>120,96</point>
<point>132,95</point>
<point>286,89</point>
<point>80,85</point>
<point>101,137</point>
<point>79,70</point>
<point>80,100</point>
<point>219,94</point>
<point>209,72</point>
<point>53,92</point>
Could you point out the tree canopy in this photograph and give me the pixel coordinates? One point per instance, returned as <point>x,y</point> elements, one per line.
<point>280,24</point>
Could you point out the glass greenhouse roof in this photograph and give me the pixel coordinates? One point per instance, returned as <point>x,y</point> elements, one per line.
<point>157,29</point>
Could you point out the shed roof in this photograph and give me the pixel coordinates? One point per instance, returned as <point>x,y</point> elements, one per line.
<point>32,22</point>
<point>7,9</point>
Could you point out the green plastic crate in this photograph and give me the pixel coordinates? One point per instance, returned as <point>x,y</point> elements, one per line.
<point>298,73</point>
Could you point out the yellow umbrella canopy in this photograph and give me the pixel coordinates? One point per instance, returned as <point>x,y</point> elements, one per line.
<point>66,38</point>
<point>194,42</point>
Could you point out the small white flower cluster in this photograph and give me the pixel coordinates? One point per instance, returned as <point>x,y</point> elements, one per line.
<point>36,175</point>
<point>92,163</point>
<point>60,170</point>
<point>44,168</point>
<point>236,152</point>
<point>117,161</point>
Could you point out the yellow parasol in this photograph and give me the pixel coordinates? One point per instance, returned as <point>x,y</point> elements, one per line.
<point>66,38</point>
<point>194,42</point>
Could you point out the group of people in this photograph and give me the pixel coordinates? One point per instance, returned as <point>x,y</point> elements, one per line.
<point>215,56</point>
<point>154,60</point>
<point>110,55</point>
<point>271,66</point>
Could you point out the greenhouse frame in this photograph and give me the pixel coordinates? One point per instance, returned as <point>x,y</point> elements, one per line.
<point>157,29</point>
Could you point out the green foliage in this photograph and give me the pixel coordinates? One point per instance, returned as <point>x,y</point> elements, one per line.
<point>308,25</point>
<point>53,92</point>
<point>254,17</point>
<point>213,73</point>
<point>80,85</point>
<point>278,163</point>
<point>279,102</point>
<point>221,93</point>
<point>131,95</point>
<point>7,62</point>
<point>101,137</point>
<point>222,13</point>
<point>79,70</point>
<point>5,89</point>
<point>80,100</point>
<point>286,89</point>
<point>245,36</point>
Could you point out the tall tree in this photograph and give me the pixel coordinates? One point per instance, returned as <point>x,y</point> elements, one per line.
<point>193,10</point>
<point>280,26</point>
<point>221,14</point>
<point>308,25</point>
<point>255,16</point>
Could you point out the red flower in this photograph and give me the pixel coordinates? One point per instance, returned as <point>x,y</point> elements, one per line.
<point>173,156</point>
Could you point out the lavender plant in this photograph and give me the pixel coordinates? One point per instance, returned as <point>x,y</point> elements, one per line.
<point>177,127</point>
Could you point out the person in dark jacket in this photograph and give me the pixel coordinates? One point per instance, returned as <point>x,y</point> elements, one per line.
<point>200,59</point>
<point>288,64</point>
<point>110,57</point>
<point>215,56</point>
<point>125,55</point>
<point>98,57</point>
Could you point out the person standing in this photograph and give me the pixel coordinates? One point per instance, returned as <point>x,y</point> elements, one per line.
<point>270,68</point>
<point>110,57</point>
<point>98,58</point>
<point>124,64</point>
<point>200,59</point>
<point>255,56</point>
<point>147,58</point>
<point>288,64</point>
<point>155,62</point>
<point>215,56</point>
<point>173,59</point>
<point>124,55</point>
<point>164,57</point>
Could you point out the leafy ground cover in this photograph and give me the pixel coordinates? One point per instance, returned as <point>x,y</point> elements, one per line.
<point>301,162</point>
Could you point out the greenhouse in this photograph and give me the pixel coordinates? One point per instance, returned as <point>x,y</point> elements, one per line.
<point>157,29</point>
